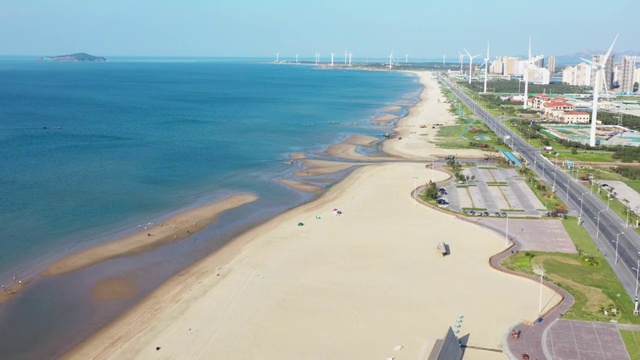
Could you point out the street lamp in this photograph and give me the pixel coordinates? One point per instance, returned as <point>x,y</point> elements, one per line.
<point>637,269</point>
<point>598,225</point>
<point>506,232</point>
<point>415,190</point>
<point>617,236</point>
<point>553,187</point>
<point>581,200</point>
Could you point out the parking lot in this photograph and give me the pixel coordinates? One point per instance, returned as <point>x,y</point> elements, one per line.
<point>494,191</point>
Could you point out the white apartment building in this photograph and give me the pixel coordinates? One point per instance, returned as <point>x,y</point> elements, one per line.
<point>579,75</point>
<point>551,64</point>
<point>626,73</point>
<point>608,70</point>
<point>539,76</point>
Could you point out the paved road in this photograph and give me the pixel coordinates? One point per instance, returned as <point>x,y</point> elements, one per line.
<point>604,225</point>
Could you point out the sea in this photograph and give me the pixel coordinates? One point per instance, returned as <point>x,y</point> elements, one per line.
<point>91,150</point>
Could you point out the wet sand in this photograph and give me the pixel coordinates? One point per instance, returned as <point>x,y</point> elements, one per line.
<point>175,228</point>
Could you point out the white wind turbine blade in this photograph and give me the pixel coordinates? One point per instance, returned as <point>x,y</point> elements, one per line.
<point>593,64</point>
<point>606,57</point>
<point>465,50</point>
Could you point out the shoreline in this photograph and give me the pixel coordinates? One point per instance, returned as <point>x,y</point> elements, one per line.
<point>174,228</point>
<point>227,267</point>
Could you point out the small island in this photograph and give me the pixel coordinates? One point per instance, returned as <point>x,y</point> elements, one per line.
<point>74,57</point>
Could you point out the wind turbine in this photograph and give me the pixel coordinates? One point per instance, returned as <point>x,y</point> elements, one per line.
<point>526,77</point>
<point>406,58</point>
<point>350,58</point>
<point>296,58</point>
<point>277,57</point>
<point>486,68</point>
<point>317,58</point>
<point>461,61</point>
<point>598,67</point>
<point>332,55</point>
<point>391,60</point>
<point>444,59</point>
<point>471,57</point>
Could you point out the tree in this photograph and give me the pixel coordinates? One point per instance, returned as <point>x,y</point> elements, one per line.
<point>574,151</point>
<point>432,191</point>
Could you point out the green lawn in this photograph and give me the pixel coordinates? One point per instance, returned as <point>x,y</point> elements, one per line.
<point>616,205</point>
<point>586,275</point>
<point>632,343</point>
<point>634,184</point>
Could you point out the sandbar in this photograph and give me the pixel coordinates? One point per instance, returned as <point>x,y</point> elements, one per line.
<point>384,119</point>
<point>391,108</point>
<point>322,167</point>
<point>175,228</point>
<point>300,185</point>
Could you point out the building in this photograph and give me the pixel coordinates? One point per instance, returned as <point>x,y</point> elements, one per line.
<point>625,75</point>
<point>575,117</point>
<point>538,61</point>
<point>579,75</point>
<point>511,66</point>
<point>555,110</point>
<point>551,64</point>
<point>496,67</point>
<point>539,76</point>
<point>608,71</point>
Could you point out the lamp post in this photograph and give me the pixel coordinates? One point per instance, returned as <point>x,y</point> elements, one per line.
<point>637,273</point>
<point>598,225</point>
<point>506,232</point>
<point>617,236</point>
<point>415,190</point>
<point>540,302</point>
<point>581,200</point>
<point>555,170</point>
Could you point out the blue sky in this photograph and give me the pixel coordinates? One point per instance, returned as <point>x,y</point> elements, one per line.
<point>260,28</point>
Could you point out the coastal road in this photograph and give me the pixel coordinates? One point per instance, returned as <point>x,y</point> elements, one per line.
<point>604,225</point>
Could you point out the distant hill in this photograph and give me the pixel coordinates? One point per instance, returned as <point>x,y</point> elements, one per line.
<point>74,57</point>
<point>587,54</point>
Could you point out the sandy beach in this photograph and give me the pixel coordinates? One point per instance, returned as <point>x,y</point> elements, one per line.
<point>414,142</point>
<point>367,283</point>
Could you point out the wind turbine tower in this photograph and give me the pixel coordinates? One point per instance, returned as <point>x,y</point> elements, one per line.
<point>391,60</point>
<point>461,61</point>
<point>598,67</point>
<point>317,58</point>
<point>277,57</point>
<point>406,58</point>
<point>471,57</point>
<point>526,78</point>
<point>486,69</point>
<point>350,58</point>
<point>296,58</point>
<point>332,55</point>
<point>444,59</point>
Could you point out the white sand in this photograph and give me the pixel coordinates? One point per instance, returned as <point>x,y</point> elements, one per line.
<point>352,286</point>
<point>420,142</point>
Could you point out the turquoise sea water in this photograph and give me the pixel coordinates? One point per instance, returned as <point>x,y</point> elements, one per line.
<point>128,141</point>
<point>90,150</point>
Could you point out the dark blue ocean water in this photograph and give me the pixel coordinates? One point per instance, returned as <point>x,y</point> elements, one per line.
<point>126,142</point>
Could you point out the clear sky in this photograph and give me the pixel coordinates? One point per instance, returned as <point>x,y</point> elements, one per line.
<point>260,28</point>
